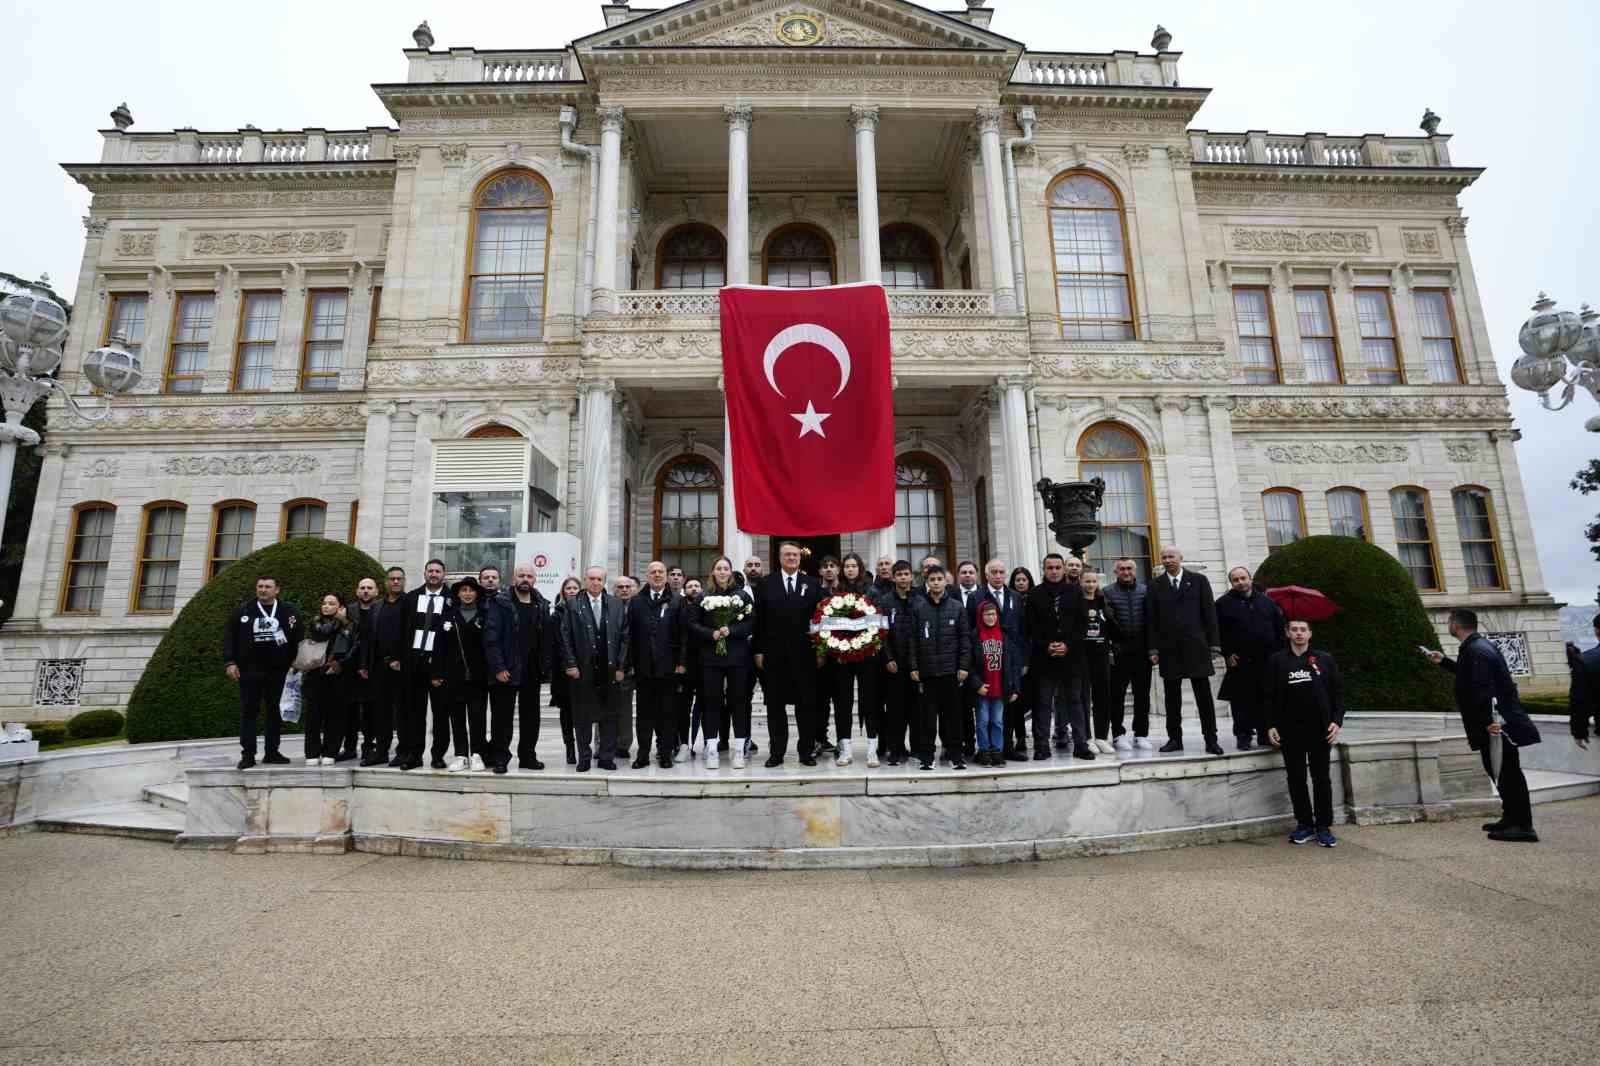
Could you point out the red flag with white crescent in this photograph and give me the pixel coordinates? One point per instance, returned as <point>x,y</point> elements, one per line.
<point>810,408</point>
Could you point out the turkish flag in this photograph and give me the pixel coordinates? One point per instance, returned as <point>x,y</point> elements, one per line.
<point>810,408</point>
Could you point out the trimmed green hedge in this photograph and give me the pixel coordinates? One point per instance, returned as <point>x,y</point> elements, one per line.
<point>103,722</point>
<point>48,733</point>
<point>183,693</point>
<point>1375,637</point>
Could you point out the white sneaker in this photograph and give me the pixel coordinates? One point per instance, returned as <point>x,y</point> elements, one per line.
<point>1143,743</point>
<point>736,748</point>
<point>327,760</point>
<point>1121,743</point>
<point>843,757</point>
<point>1104,747</point>
<point>458,764</point>
<point>680,753</point>
<point>872,751</point>
<point>712,762</point>
<point>312,760</point>
<point>477,763</point>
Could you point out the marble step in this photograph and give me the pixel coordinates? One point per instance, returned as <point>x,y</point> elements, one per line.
<point>1547,786</point>
<point>173,796</point>
<point>144,821</point>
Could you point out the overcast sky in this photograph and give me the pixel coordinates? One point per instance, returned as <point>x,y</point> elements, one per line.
<point>1514,84</point>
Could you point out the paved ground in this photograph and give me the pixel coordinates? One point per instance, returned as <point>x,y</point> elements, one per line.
<point>1416,943</point>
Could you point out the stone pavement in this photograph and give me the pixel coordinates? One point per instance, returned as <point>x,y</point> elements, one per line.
<point>1419,943</point>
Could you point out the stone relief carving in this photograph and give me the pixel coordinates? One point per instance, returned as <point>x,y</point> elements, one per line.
<point>1279,241</point>
<point>268,243</point>
<point>1333,454</point>
<point>1136,153</point>
<point>453,154</point>
<point>1420,241</point>
<point>1133,368</point>
<point>722,85</point>
<point>1213,196</point>
<point>1456,226</point>
<point>139,245</point>
<point>401,373</point>
<point>256,416</point>
<point>99,468</point>
<point>1059,120</point>
<point>1513,648</point>
<point>1371,407</point>
<point>760,31</point>
<point>1461,451</point>
<point>249,198</point>
<point>95,227</point>
<point>239,465</point>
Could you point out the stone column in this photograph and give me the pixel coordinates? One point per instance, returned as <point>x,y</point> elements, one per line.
<point>605,252</point>
<point>36,560</point>
<point>1219,416</point>
<point>430,418</point>
<point>375,477</point>
<point>736,544</point>
<point>1005,298</point>
<point>596,480</point>
<point>1022,545</point>
<point>864,120</point>
<point>739,117</point>
<point>1180,493</point>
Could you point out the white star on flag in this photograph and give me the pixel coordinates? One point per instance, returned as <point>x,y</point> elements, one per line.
<point>810,421</point>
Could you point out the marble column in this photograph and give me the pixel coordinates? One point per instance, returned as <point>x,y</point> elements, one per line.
<point>1022,544</point>
<point>46,505</point>
<point>596,480</point>
<point>739,117</point>
<point>1005,297</point>
<point>864,120</point>
<point>1230,506</point>
<point>605,252</point>
<point>1180,492</point>
<point>374,477</point>
<point>736,543</point>
<point>430,420</point>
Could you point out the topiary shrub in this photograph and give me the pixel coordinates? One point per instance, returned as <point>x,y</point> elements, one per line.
<point>1374,638</point>
<point>48,733</point>
<point>103,722</point>
<point>183,693</point>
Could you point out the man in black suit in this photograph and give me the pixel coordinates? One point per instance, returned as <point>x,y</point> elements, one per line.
<point>1180,619</point>
<point>411,633</point>
<point>785,602</point>
<point>656,640</point>
<point>257,648</point>
<point>594,653</point>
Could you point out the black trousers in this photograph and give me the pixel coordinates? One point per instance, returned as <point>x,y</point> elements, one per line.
<point>847,678</point>
<point>1131,669</point>
<point>1300,755</point>
<point>1514,801</point>
<point>595,711</point>
<point>254,690</point>
<point>1058,698</point>
<point>1249,719</point>
<point>1097,678</point>
<point>322,713</point>
<point>725,697</point>
<point>941,712</point>
<point>900,710</point>
<point>412,726</point>
<point>1018,711</point>
<point>452,705</point>
<point>523,701</point>
<point>657,714</point>
<point>382,713</point>
<point>1202,698</point>
<point>791,685</point>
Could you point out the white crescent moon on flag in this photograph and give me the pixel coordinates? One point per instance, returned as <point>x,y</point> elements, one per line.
<point>806,333</point>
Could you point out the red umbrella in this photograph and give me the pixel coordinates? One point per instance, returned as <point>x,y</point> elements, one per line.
<point>1303,604</point>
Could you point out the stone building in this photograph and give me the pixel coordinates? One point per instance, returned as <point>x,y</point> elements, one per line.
<point>500,314</point>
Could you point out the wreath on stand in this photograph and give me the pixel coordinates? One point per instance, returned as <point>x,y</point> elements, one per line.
<point>847,628</point>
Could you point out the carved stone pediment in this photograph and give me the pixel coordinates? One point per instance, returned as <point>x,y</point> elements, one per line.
<point>795,24</point>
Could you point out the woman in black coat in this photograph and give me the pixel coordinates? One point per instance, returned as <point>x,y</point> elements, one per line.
<point>725,670</point>
<point>854,577</point>
<point>560,683</point>
<point>459,667</point>
<point>1017,718</point>
<point>322,691</point>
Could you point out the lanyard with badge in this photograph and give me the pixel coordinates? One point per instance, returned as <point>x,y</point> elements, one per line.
<point>266,625</point>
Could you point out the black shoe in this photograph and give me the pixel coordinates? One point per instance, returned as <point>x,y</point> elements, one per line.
<point>583,767</point>
<point>1082,751</point>
<point>1213,748</point>
<point>808,760</point>
<point>772,760</point>
<point>1515,834</point>
<point>411,764</point>
<point>606,764</point>
<point>722,746</point>
<point>1040,756</point>
<point>641,762</point>
<point>1495,827</point>
<point>397,762</point>
<point>437,764</point>
<point>754,747</point>
<point>1245,745</point>
<point>501,767</point>
<point>1017,755</point>
<point>826,748</point>
<point>1172,745</point>
<point>926,765</point>
<point>958,763</point>
<point>530,764</point>
<point>572,756</point>
<point>344,756</point>
<point>664,761</point>
<point>273,758</point>
<point>891,760</point>
<point>246,761</point>
<point>372,759</point>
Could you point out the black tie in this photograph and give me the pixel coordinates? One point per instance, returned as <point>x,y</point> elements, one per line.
<point>789,583</point>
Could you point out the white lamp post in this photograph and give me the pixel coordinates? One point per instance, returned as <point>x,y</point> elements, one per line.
<point>1552,339</point>
<point>31,330</point>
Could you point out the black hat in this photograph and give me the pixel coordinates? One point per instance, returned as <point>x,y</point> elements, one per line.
<point>466,582</point>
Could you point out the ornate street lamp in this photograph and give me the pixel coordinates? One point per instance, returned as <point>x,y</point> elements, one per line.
<point>1073,507</point>
<point>31,330</point>
<point>1550,340</point>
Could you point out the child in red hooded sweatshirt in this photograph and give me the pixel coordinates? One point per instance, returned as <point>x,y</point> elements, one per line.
<point>997,674</point>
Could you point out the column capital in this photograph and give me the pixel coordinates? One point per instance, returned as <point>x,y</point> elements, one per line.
<point>603,385</point>
<point>988,119</point>
<point>738,116</point>
<point>864,117</point>
<point>1215,402</point>
<point>1012,381</point>
<point>611,116</point>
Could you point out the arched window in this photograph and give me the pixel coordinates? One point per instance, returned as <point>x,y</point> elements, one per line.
<point>505,282</point>
<point>1413,534</point>
<point>797,257</point>
<point>233,534</point>
<point>688,529</point>
<point>155,580</point>
<point>910,258</point>
<point>1480,543</point>
<point>1127,516</point>
<point>692,257</point>
<point>491,430</point>
<point>83,588</point>
<point>303,518</point>
<point>1094,293</point>
<point>923,520</point>
<point>1347,514</point>
<point>1286,517</point>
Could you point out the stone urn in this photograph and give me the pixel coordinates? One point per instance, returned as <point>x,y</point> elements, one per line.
<point>1074,508</point>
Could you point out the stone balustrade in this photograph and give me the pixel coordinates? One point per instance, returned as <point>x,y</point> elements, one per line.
<point>472,65</point>
<point>705,303</point>
<point>1098,68</point>
<point>279,147</point>
<point>1319,150</point>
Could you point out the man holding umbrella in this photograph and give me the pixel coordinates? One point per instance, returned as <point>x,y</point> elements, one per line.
<point>1251,627</point>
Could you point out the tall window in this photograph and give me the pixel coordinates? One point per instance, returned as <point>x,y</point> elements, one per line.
<point>323,356</point>
<point>1258,347</point>
<point>304,518</point>
<point>1413,534</point>
<point>233,533</point>
<point>191,341</point>
<point>1347,513</point>
<point>798,257</point>
<point>1114,453</point>
<point>372,315</point>
<point>1378,347</point>
<point>258,337</point>
<point>127,319</point>
<point>155,584</point>
<point>1093,294</point>
<point>692,257</point>
<point>88,556</point>
<point>1286,520</point>
<point>689,515</point>
<point>1437,323</point>
<point>505,287</point>
<point>1314,314</point>
<point>922,518</point>
<point>1480,547</point>
<point>910,258</point>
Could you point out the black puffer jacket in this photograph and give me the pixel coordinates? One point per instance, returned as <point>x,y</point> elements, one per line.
<point>897,638</point>
<point>941,639</point>
<point>1127,601</point>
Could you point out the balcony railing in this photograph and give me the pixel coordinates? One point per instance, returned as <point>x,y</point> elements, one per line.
<point>1319,149</point>
<point>1098,68</point>
<point>471,65</point>
<point>285,147</point>
<point>705,303</point>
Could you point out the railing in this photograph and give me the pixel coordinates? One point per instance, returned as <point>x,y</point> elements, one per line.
<point>471,65</point>
<point>942,303</point>
<point>698,302</point>
<point>1319,149</point>
<point>280,147</point>
<point>706,303</point>
<point>1098,68</point>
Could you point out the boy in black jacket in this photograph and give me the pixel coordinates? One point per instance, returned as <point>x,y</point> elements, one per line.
<point>941,651</point>
<point>257,647</point>
<point>1305,708</point>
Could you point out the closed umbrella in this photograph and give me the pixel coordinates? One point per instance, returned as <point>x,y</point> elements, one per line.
<point>1497,745</point>
<point>1303,604</point>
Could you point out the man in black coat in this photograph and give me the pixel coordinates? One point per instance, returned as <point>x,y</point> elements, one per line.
<point>656,645</point>
<point>258,645</point>
<point>1583,697</point>
<point>1484,686</point>
<point>1052,616</point>
<point>897,690</point>
<point>412,634</point>
<point>594,654</point>
<point>1130,664</point>
<point>1180,619</point>
<point>1304,697</point>
<point>785,602</point>
<point>389,689</point>
<point>513,647</point>
<point>1251,628</point>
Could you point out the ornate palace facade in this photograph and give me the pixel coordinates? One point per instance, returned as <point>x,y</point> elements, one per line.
<point>500,314</point>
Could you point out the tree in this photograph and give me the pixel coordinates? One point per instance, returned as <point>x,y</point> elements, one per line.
<point>1587,481</point>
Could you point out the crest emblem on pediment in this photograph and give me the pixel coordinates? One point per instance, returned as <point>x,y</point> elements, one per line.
<point>798,27</point>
